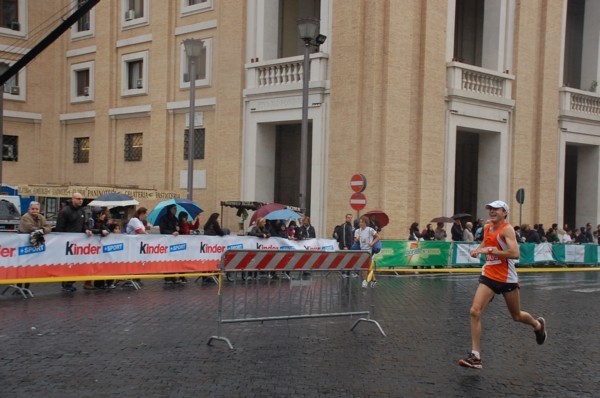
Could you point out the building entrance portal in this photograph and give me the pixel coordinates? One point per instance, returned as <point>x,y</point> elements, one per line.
<point>287,165</point>
<point>581,185</point>
<point>477,171</point>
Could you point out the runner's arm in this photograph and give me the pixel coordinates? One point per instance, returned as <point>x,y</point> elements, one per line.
<point>512,251</point>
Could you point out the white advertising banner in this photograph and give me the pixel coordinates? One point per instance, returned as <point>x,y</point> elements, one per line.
<point>66,254</point>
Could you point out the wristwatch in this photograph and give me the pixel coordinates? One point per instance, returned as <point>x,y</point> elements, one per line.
<point>490,250</point>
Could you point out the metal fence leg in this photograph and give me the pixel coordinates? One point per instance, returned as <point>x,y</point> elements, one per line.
<point>20,290</point>
<point>368,318</point>
<point>220,317</point>
<point>371,321</point>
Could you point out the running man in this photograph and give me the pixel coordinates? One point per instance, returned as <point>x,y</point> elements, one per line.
<point>498,276</point>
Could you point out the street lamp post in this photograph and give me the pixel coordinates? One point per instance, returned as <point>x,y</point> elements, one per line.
<point>3,68</point>
<point>308,31</point>
<point>193,49</point>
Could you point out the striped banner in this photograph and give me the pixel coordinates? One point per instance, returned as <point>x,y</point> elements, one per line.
<point>294,260</point>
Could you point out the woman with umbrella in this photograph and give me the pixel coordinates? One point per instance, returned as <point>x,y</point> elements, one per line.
<point>440,232</point>
<point>260,229</point>
<point>169,225</point>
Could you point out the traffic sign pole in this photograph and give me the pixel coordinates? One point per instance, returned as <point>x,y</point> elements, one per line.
<point>358,201</point>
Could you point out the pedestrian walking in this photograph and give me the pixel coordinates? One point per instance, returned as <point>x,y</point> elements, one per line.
<point>499,276</point>
<point>366,237</point>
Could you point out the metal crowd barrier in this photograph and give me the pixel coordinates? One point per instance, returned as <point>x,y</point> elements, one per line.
<point>269,285</point>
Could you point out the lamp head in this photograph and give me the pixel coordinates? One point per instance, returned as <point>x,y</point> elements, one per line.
<point>193,47</point>
<point>308,28</point>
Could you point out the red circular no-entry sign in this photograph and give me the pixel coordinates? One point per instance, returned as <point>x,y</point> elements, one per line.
<point>358,183</point>
<point>358,201</point>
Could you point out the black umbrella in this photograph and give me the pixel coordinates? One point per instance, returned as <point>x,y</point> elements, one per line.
<point>458,216</point>
<point>442,219</point>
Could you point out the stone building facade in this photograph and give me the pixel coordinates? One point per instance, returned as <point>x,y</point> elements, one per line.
<point>443,105</point>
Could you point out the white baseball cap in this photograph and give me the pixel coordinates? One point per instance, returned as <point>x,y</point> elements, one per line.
<point>497,204</point>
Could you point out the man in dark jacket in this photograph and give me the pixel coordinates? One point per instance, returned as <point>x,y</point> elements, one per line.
<point>457,231</point>
<point>345,234</point>
<point>308,231</point>
<point>531,235</point>
<point>71,218</point>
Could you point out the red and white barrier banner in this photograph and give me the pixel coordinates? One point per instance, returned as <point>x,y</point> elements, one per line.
<point>66,254</point>
<point>289,260</point>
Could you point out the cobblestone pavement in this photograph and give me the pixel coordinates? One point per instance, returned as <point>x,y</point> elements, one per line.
<point>152,343</point>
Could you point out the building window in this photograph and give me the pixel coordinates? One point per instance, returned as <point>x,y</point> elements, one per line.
<point>134,144</point>
<point>82,82</point>
<point>10,147</point>
<point>82,78</point>
<point>134,75</point>
<point>13,21</point>
<point>198,143</point>
<point>193,6</point>
<point>203,66</point>
<point>85,25</point>
<point>135,12</point>
<point>9,14</point>
<point>81,150</point>
<point>14,88</point>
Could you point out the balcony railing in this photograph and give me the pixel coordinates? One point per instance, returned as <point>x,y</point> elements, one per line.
<point>472,81</point>
<point>285,73</point>
<point>580,103</point>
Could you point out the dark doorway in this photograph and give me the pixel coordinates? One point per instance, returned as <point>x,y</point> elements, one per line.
<point>570,198</point>
<point>466,171</point>
<point>287,164</point>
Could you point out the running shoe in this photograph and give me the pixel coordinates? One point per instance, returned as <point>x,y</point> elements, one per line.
<point>471,362</point>
<point>365,284</point>
<point>540,335</point>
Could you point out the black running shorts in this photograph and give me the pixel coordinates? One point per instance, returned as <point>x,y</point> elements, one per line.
<point>498,287</point>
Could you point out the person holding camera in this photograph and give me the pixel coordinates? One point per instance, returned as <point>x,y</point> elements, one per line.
<point>36,225</point>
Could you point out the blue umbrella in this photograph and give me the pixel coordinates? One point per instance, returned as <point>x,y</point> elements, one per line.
<point>283,214</point>
<point>185,205</point>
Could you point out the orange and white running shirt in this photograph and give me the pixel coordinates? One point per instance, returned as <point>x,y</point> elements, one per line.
<point>498,268</point>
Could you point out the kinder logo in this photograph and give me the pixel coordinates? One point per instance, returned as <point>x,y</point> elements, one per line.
<point>287,248</point>
<point>178,248</point>
<point>328,248</point>
<point>211,249</point>
<point>146,248</point>
<point>265,247</point>
<point>73,249</point>
<point>115,247</point>
<point>236,246</point>
<point>24,250</point>
<point>7,251</point>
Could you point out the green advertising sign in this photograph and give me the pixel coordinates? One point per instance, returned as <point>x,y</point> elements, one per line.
<point>398,253</point>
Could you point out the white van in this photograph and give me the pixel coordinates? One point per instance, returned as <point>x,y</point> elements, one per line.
<point>10,212</point>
